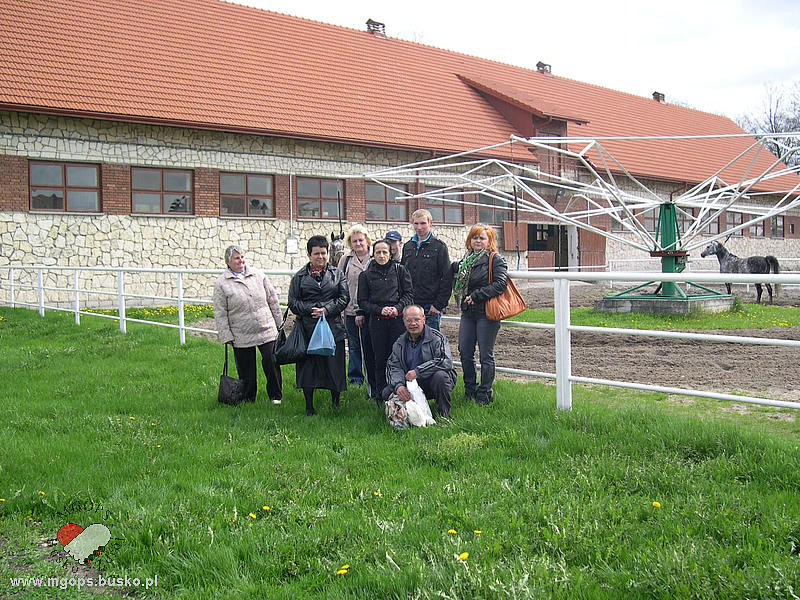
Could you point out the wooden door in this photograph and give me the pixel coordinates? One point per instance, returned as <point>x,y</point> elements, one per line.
<point>591,250</point>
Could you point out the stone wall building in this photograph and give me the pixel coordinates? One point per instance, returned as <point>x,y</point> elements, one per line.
<point>122,144</point>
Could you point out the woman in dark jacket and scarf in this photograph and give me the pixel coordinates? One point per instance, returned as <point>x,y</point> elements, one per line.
<point>384,290</point>
<point>472,289</point>
<point>320,290</point>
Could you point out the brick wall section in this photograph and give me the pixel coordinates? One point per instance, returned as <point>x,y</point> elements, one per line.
<point>206,192</point>
<point>790,223</point>
<point>13,183</point>
<point>115,181</point>
<point>355,207</point>
<point>282,197</point>
<point>470,210</point>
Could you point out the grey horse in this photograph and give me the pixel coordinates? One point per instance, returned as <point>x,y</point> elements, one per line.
<point>730,263</point>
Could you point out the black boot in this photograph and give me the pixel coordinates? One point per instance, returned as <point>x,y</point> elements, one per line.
<point>335,399</point>
<point>483,398</point>
<point>309,394</point>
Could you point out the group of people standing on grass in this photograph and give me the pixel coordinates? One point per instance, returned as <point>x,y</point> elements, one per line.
<point>386,299</point>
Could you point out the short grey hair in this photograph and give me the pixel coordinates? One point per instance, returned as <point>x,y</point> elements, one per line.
<point>230,250</point>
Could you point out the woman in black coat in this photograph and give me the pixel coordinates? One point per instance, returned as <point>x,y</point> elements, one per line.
<point>472,289</point>
<point>320,289</point>
<point>384,290</point>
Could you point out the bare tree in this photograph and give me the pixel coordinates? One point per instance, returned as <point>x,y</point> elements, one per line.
<point>780,114</point>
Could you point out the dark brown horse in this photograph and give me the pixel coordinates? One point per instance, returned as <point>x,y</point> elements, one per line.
<point>730,263</point>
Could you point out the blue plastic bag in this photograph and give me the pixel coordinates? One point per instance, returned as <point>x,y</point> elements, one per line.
<point>322,341</point>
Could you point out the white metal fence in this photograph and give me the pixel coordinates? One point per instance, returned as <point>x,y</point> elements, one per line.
<point>25,286</point>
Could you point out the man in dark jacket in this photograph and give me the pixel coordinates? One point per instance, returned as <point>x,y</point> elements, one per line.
<point>423,354</point>
<point>427,259</point>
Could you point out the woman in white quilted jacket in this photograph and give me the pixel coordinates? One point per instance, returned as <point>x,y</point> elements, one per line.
<point>246,312</point>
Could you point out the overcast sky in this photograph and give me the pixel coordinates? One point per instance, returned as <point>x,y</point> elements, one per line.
<point>713,55</point>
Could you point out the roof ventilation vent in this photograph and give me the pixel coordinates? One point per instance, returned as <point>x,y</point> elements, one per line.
<point>658,97</point>
<point>543,67</point>
<point>375,28</point>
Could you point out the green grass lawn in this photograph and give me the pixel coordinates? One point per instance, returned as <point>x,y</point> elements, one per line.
<point>741,316</point>
<point>260,501</point>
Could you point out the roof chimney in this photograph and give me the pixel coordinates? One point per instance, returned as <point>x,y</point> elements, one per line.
<point>375,28</point>
<point>658,97</point>
<point>543,67</point>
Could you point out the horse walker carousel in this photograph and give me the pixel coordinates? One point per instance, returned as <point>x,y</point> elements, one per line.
<point>764,171</point>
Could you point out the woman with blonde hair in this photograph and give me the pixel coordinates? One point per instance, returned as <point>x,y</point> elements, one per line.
<point>472,289</point>
<point>359,346</point>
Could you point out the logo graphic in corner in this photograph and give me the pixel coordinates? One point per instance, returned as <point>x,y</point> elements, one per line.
<point>84,544</point>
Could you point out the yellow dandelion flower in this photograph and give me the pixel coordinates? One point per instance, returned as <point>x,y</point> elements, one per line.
<point>265,507</point>
<point>656,504</point>
<point>341,572</point>
<point>151,423</point>
<point>132,418</point>
<point>158,445</point>
<point>378,494</point>
<point>2,499</point>
<point>477,531</point>
<point>463,556</point>
<point>252,515</point>
<point>451,531</point>
<point>345,567</point>
<point>41,493</point>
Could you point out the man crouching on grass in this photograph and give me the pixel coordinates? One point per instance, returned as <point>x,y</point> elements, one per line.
<point>423,354</point>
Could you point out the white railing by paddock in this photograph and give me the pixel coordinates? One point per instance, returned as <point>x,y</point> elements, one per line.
<point>693,265</point>
<point>562,327</point>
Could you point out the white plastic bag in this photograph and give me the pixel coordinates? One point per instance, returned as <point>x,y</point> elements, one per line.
<point>419,412</point>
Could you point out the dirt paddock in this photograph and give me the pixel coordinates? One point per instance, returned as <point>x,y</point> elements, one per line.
<point>762,371</point>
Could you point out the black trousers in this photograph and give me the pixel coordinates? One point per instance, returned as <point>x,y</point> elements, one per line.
<point>439,385</point>
<point>246,367</point>
<point>383,333</point>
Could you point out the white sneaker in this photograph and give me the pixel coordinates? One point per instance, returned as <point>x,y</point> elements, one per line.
<point>276,401</point>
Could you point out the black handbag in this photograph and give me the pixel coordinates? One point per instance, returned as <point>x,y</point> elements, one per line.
<point>289,348</point>
<point>231,390</point>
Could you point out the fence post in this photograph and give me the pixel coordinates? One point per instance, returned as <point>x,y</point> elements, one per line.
<point>11,287</point>
<point>121,294</point>
<point>181,330</point>
<point>40,285</point>
<point>563,349</point>
<point>77,299</point>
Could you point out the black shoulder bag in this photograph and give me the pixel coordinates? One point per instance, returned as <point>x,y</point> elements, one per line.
<point>290,348</point>
<point>231,389</point>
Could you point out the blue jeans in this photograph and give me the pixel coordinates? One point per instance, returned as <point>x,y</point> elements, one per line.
<point>483,331</point>
<point>358,341</point>
<point>432,321</point>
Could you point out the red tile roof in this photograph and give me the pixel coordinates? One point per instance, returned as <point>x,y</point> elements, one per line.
<point>212,64</point>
